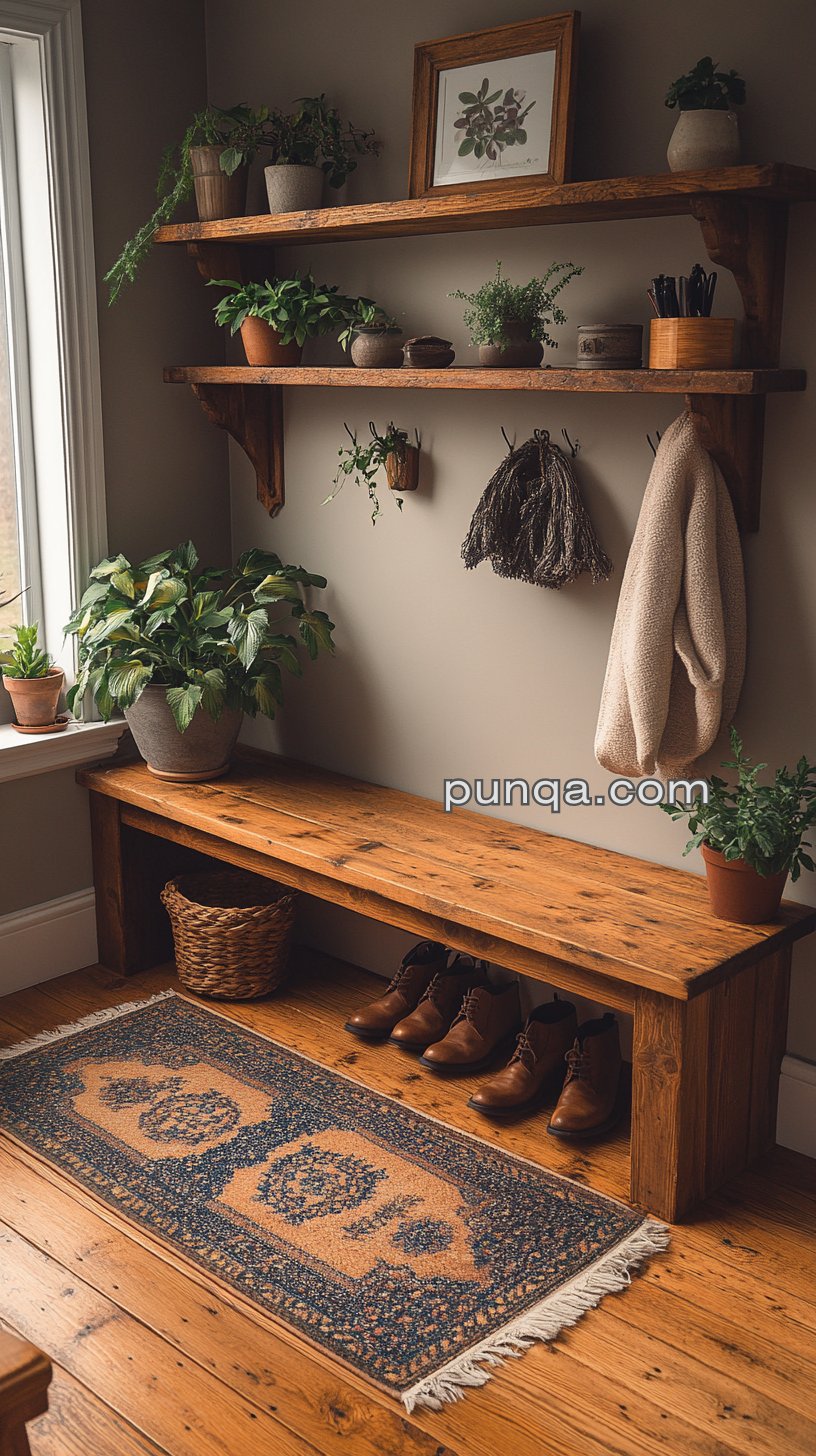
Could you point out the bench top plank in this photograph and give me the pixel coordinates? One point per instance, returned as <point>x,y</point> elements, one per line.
<point>639,923</point>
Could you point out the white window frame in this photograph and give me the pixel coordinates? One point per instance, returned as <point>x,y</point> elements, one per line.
<point>61,317</point>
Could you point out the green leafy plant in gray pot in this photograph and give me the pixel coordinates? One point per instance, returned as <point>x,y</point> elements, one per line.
<point>707,130</point>
<point>211,161</point>
<point>311,145</point>
<point>372,337</point>
<point>185,651</point>
<point>510,321</point>
<point>751,835</point>
<point>276,317</point>
<point>33,682</point>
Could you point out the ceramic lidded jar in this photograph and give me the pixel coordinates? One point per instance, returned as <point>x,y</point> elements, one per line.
<point>704,139</point>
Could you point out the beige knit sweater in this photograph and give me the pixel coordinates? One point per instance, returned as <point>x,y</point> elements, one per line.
<point>677,656</point>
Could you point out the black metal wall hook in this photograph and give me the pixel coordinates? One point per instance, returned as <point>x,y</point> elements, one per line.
<point>651,443</point>
<point>573,447</point>
<point>511,447</point>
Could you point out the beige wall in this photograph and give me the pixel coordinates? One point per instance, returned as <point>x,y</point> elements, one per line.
<point>443,672</point>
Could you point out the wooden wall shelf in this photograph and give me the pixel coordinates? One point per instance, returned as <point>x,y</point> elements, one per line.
<point>742,212</point>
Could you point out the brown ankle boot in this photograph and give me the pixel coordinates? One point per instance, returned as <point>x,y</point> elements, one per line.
<point>438,1007</point>
<point>590,1103</point>
<point>377,1020</point>
<point>486,1025</point>
<point>536,1067</point>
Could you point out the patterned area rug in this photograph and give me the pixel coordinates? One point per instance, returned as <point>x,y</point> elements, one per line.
<point>415,1254</point>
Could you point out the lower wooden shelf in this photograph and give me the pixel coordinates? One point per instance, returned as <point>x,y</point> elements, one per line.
<point>738,382</point>
<point>308,1016</point>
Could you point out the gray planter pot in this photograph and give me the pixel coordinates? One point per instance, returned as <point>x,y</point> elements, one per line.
<point>292,188</point>
<point>202,752</point>
<point>703,139</point>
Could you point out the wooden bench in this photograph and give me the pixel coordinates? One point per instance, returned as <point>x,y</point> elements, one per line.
<point>709,999</point>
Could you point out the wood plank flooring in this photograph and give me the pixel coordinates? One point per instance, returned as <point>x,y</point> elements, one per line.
<point>712,1352</point>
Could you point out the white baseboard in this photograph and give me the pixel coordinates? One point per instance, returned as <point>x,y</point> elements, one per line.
<point>47,940</point>
<point>796,1124</point>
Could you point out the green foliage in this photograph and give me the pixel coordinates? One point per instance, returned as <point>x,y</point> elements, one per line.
<point>488,124</point>
<point>764,824</point>
<point>314,135</point>
<point>707,89</point>
<point>241,132</point>
<point>26,658</point>
<point>499,302</point>
<point>298,308</point>
<point>207,636</point>
<point>369,316</point>
<point>365,461</point>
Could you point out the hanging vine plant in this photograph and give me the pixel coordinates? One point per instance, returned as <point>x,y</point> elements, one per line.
<point>363,462</point>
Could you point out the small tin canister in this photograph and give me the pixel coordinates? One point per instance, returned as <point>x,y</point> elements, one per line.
<point>610,346</point>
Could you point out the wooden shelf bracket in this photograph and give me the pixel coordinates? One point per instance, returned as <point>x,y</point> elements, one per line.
<point>254,418</point>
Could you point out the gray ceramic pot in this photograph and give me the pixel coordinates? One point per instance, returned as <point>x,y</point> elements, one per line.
<point>703,139</point>
<point>293,188</point>
<point>202,752</point>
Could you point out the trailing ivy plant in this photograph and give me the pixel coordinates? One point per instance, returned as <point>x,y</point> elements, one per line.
<point>763,824</point>
<point>297,308</point>
<point>240,131</point>
<point>500,302</point>
<point>315,135</point>
<point>26,658</point>
<point>364,461</point>
<point>706,89</point>
<point>209,637</point>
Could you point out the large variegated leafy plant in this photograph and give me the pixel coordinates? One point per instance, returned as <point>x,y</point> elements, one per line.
<point>212,638</point>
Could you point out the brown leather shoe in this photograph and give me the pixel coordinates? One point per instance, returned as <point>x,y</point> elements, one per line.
<point>377,1020</point>
<point>591,1102</point>
<point>536,1068</point>
<point>486,1025</point>
<point>438,1007</point>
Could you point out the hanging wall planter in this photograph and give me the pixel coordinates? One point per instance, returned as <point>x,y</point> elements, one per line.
<point>363,462</point>
<point>402,467</point>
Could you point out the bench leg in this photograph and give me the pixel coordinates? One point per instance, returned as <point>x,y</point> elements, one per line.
<point>133,931</point>
<point>705,1081</point>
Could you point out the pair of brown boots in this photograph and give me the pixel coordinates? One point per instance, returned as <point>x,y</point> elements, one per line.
<point>461,1023</point>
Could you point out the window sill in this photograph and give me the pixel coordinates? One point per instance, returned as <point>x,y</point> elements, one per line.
<point>22,756</point>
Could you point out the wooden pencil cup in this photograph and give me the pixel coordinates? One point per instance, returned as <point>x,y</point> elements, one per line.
<point>691,343</point>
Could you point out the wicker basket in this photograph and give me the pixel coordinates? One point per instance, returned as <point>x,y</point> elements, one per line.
<point>232,933</point>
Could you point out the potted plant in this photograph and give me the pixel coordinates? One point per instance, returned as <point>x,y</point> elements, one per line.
<point>509,321</point>
<point>212,162</point>
<point>707,130</point>
<point>310,144</point>
<point>372,337</point>
<point>389,451</point>
<point>275,318</point>
<point>33,683</point>
<point>185,651</point>
<point>751,835</point>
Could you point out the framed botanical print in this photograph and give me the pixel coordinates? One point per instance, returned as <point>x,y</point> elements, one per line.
<point>494,109</point>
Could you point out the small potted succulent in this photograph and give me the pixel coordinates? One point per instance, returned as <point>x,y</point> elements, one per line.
<point>751,835</point>
<point>373,338</point>
<point>707,130</point>
<point>310,145</point>
<point>364,461</point>
<point>185,650</point>
<point>509,321</point>
<point>33,683</point>
<point>275,318</point>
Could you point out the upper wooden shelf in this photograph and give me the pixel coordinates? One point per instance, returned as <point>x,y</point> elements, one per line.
<point>585,381</point>
<point>617,197</point>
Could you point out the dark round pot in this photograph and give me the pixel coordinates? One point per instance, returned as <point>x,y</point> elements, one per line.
<point>216,194</point>
<point>202,752</point>
<point>262,346</point>
<point>737,893</point>
<point>377,349</point>
<point>429,352</point>
<point>520,351</point>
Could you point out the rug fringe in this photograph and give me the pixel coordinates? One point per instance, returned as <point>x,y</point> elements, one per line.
<point>94,1018</point>
<point>565,1307</point>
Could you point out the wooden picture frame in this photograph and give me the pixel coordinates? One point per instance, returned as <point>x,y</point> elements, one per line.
<point>502,119</point>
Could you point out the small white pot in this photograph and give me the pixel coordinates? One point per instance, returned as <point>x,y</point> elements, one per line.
<point>292,188</point>
<point>704,139</point>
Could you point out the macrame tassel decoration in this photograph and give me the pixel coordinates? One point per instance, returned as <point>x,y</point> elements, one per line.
<point>531,523</point>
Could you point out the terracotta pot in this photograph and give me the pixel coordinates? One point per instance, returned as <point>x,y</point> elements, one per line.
<point>704,139</point>
<point>402,468</point>
<point>520,352</point>
<point>35,699</point>
<point>203,751</point>
<point>216,194</point>
<point>377,348</point>
<point>737,893</point>
<point>291,187</point>
<point>262,345</point>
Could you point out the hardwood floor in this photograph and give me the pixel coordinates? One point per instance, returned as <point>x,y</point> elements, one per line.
<point>711,1352</point>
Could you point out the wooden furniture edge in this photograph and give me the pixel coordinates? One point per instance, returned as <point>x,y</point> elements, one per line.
<point>740,383</point>
<point>25,1375</point>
